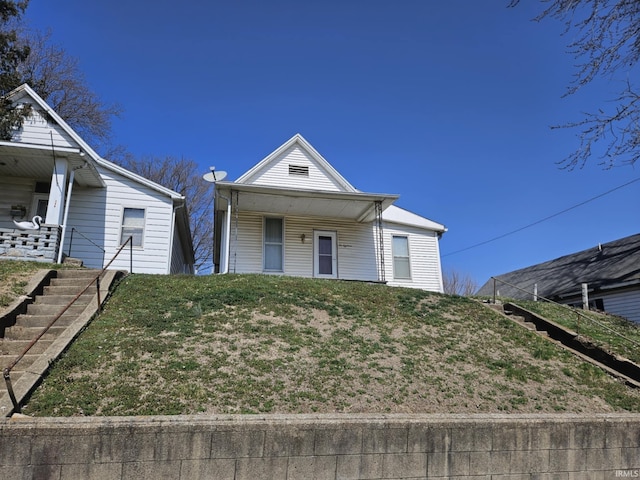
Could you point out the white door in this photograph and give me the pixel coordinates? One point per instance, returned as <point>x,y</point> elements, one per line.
<point>325,255</point>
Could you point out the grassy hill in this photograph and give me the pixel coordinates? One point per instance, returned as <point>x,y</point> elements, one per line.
<point>254,344</point>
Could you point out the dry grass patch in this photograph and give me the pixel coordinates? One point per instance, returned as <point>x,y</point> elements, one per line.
<point>265,344</point>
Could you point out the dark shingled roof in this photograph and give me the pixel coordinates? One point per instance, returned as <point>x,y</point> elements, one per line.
<point>610,265</point>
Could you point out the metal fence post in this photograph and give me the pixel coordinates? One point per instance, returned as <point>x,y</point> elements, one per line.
<point>494,290</point>
<point>98,292</point>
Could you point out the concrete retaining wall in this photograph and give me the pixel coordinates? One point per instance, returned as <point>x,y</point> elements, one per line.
<point>322,447</point>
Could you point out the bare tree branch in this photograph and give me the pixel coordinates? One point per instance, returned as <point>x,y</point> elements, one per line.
<point>606,44</point>
<point>183,176</point>
<point>58,80</point>
<point>456,283</point>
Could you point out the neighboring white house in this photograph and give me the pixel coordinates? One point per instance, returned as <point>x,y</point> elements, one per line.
<point>294,214</point>
<point>89,205</point>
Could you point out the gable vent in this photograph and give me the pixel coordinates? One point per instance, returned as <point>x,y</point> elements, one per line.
<point>299,170</point>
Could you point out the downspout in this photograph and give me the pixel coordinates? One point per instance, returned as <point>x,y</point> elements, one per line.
<point>66,211</point>
<point>171,233</point>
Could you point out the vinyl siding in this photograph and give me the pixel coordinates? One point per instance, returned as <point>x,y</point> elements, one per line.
<point>15,191</point>
<point>625,304</point>
<point>38,130</point>
<point>97,214</point>
<point>355,244</point>
<point>277,174</point>
<point>424,258</point>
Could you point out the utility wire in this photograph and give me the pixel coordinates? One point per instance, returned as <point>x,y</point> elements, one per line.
<point>541,220</point>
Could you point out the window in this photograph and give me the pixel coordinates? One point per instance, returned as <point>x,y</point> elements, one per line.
<point>39,205</point>
<point>401,264</point>
<point>132,225</point>
<point>273,244</point>
<point>299,170</point>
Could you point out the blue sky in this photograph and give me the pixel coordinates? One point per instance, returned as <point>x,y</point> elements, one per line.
<point>447,103</point>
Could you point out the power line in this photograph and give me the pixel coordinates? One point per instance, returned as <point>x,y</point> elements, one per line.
<point>541,220</point>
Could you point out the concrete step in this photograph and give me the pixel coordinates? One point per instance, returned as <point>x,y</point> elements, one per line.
<point>522,321</point>
<point>44,309</point>
<point>63,300</point>
<point>87,274</point>
<point>72,261</point>
<point>24,363</point>
<point>29,333</point>
<point>70,282</point>
<point>15,376</point>
<point>43,320</point>
<point>529,325</point>
<point>67,289</point>
<point>16,347</point>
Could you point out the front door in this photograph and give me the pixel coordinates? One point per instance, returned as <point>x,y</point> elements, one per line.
<point>325,257</point>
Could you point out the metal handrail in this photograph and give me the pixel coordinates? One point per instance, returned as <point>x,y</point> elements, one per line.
<point>74,229</point>
<point>7,370</point>
<point>578,313</point>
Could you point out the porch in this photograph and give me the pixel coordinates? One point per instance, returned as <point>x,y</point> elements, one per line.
<point>35,245</point>
<point>38,181</point>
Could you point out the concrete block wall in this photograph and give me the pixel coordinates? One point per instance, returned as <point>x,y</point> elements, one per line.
<point>39,244</point>
<point>291,447</point>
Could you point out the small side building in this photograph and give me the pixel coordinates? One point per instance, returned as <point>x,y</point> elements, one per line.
<point>611,271</point>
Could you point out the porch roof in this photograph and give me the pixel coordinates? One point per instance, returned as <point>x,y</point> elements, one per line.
<point>37,161</point>
<point>358,206</point>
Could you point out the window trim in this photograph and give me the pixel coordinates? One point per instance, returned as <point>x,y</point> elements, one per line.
<point>264,244</point>
<point>144,225</point>
<point>395,256</point>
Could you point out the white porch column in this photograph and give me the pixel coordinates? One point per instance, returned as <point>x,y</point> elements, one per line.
<point>55,208</point>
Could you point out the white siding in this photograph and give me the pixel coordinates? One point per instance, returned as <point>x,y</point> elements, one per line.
<point>15,191</point>
<point>97,214</point>
<point>424,257</point>
<point>625,304</point>
<point>355,243</point>
<point>277,173</point>
<point>39,131</point>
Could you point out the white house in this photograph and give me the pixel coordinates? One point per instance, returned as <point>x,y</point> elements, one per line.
<point>88,205</point>
<point>294,214</point>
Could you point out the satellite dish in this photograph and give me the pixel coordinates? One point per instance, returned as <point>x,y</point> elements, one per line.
<point>214,176</point>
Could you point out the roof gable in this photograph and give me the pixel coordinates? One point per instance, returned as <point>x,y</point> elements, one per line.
<point>44,116</point>
<point>297,165</point>
<point>62,135</point>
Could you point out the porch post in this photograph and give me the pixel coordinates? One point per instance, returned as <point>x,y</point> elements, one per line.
<point>381,266</point>
<point>66,213</point>
<point>55,207</point>
<point>228,231</point>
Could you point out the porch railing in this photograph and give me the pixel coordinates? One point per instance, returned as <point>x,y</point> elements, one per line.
<point>579,315</point>
<point>74,230</point>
